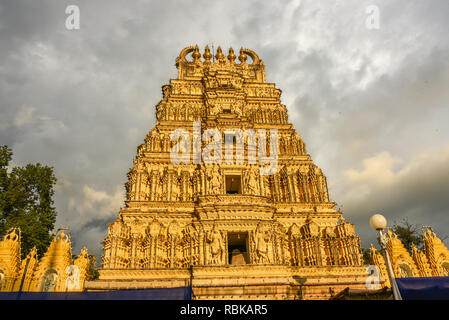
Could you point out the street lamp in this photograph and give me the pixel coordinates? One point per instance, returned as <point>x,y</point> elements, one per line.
<point>379,223</point>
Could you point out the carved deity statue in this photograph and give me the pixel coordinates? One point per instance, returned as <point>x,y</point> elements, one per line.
<point>216,248</point>
<point>215,180</point>
<point>160,114</point>
<point>251,181</point>
<point>237,108</point>
<point>166,91</point>
<point>262,238</point>
<point>214,109</point>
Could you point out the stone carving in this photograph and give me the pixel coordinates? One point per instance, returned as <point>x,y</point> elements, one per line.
<point>262,239</point>
<point>237,108</point>
<point>214,109</point>
<point>216,247</point>
<point>166,91</point>
<point>251,180</point>
<point>215,180</point>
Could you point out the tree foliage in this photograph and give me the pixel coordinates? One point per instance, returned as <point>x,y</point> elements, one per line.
<point>366,256</point>
<point>92,273</point>
<point>409,234</point>
<point>26,201</point>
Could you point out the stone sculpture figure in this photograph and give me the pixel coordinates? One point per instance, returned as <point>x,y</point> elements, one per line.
<point>262,239</point>
<point>215,180</point>
<point>237,108</point>
<point>251,181</point>
<point>214,109</point>
<point>215,241</point>
<point>160,114</point>
<point>166,91</point>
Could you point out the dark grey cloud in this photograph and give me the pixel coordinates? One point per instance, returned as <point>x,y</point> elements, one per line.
<point>83,100</point>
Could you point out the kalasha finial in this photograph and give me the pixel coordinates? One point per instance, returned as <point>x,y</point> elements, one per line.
<point>231,55</point>
<point>196,55</point>
<point>219,56</point>
<point>242,56</point>
<point>207,55</point>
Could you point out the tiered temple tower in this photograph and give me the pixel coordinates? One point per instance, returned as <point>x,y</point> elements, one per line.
<point>214,217</point>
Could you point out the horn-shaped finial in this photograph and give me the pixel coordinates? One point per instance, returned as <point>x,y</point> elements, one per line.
<point>242,56</point>
<point>231,55</point>
<point>196,54</point>
<point>207,55</point>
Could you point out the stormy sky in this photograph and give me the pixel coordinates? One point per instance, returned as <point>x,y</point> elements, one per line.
<point>372,105</point>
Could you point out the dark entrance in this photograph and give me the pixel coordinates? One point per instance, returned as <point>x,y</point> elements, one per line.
<point>233,185</point>
<point>237,248</point>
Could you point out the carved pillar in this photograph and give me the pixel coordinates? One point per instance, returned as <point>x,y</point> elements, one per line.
<point>277,188</point>
<point>153,185</point>
<point>202,244</point>
<point>134,245</point>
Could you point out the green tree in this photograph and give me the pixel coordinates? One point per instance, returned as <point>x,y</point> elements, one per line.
<point>26,201</point>
<point>366,256</point>
<point>92,273</point>
<point>409,234</point>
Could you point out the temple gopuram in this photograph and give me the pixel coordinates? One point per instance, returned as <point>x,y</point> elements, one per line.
<point>223,199</point>
<point>227,227</point>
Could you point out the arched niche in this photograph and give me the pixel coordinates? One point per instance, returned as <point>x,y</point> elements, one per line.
<point>49,281</point>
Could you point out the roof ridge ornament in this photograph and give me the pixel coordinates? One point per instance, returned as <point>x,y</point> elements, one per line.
<point>207,55</point>
<point>242,56</point>
<point>231,56</point>
<point>196,55</point>
<point>219,56</point>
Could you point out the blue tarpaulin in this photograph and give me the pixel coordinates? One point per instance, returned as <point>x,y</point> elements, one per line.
<point>181,293</point>
<point>426,288</point>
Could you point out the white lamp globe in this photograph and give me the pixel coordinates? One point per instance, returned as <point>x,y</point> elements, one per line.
<point>378,222</point>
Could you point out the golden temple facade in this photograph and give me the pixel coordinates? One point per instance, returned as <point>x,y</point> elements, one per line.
<point>233,224</point>
<point>432,261</point>
<point>55,271</point>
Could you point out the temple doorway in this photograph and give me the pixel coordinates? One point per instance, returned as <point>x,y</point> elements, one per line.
<point>233,184</point>
<point>238,248</point>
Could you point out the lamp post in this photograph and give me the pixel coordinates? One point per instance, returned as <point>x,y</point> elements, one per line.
<point>379,223</point>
